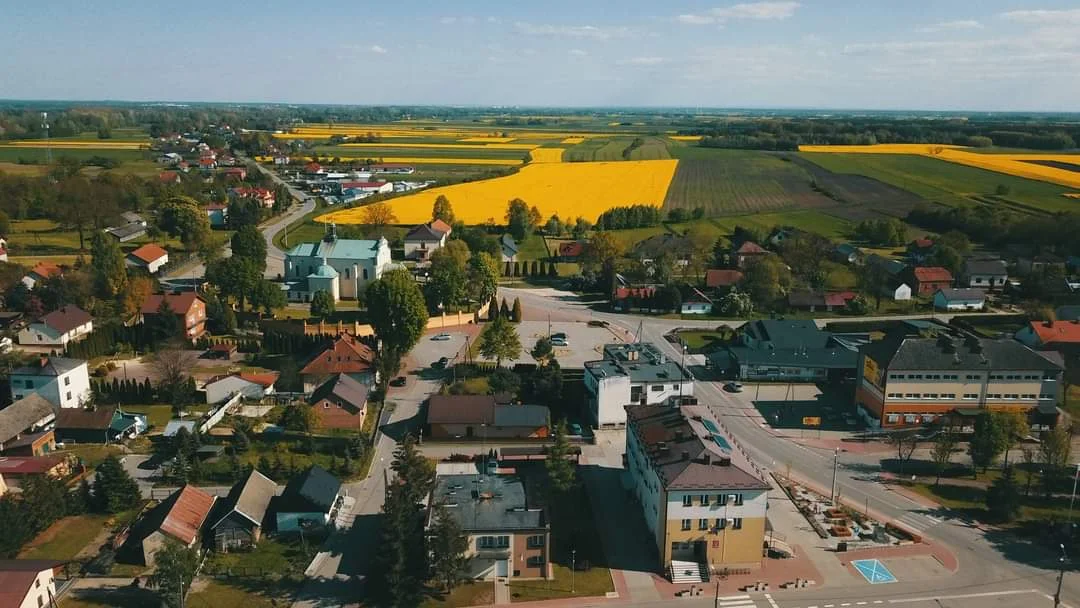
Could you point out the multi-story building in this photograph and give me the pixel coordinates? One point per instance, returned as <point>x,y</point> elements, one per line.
<point>62,382</point>
<point>341,267</point>
<point>507,536</point>
<point>421,241</point>
<point>699,505</point>
<point>188,307</point>
<point>635,373</point>
<point>907,380</point>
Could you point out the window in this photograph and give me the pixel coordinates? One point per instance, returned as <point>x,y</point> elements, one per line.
<point>715,544</point>
<point>493,542</point>
<point>687,501</point>
<point>326,405</point>
<point>703,524</point>
<point>704,500</point>
<point>67,381</point>
<point>28,383</point>
<point>535,542</point>
<point>686,524</point>
<point>893,418</point>
<point>721,499</point>
<point>535,561</point>
<point>347,275</point>
<point>1049,377</point>
<point>971,377</point>
<point>365,274</point>
<point>721,523</point>
<point>971,395</point>
<point>738,500</point>
<point>1046,396</point>
<point>736,523</point>
<point>656,388</point>
<point>68,397</point>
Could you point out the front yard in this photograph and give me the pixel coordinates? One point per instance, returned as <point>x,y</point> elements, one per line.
<point>66,538</point>
<point>478,593</point>
<point>593,582</point>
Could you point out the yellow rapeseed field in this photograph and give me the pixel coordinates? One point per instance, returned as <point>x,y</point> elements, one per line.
<point>546,155</point>
<point>924,149</point>
<point>494,140</point>
<point>685,137</point>
<point>448,146</point>
<point>569,189</point>
<point>325,131</point>
<point>1075,195</point>
<point>570,141</point>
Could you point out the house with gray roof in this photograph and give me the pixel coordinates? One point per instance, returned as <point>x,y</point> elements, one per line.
<point>310,500</point>
<point>790,351</point>
<point>341,267</point>
<point>63,382</point>
<point>421,241</point>
<point>984,273</point>
<point>509,248</point>
<point>340,403</point>
<point>480,417</point>
<point>633,373</point>
<point>26,427</point>
<point>964,298</point>
<point>61,326</point>
<point>509,535</point>
<point>238,520</point>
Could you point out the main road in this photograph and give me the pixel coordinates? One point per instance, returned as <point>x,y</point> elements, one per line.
<point>988,560</point>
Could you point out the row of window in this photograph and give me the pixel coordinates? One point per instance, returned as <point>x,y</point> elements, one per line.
<point>721,523</point>
<point>967,396</point>
<point>493,542</point>
<point>928,377</point>
<point>30,383</point>
<point>976,377</point>
<point>705,499</point>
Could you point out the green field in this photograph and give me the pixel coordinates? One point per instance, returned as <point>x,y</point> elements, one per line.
<point>15,154</point>
<point>613,149</point>
<point>944,182</point>
<point>477,151</point>
<point>828,226</point>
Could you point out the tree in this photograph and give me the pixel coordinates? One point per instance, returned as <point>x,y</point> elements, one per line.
<point>944,445</point>
<point>806,253</point>
<point>114,489</point>
<point>402,562</point>
<point>175,567</point>
<point>1056,452</point>
<point>668,298</point>
<point>448,279</point>
<point>397,314</point>
<point>107,265</point>
<point>766,280</point>
<point>1003,497</point>
<point>171,365</point>
<point>504,381</point>
<point>1031,458</point>
<point>235,279</point>
<point>542,351</point>
<point>300,418</point>
<point>515,311</point>
<point>601,259</point>
<point>1015,427</point>
<point>948,258</point>
<point>249,243</point>
<point>519,220</point>
<point>266,295</point>
<point>545,384</point>
<point>857,306</point>
<point>483,277</point>
<point>5,224</point>
<point>581,226</point>
<point>378,216</point>
<point>701,245</point>
<point>906,442</point>
<point>500,341</point>
<point>322,304</point>
<point>183,217</point>
<point>987,442</point>
<point>448,544</point>
<point>442,210</point>
<point>554,225</point>
<point>735,303</point>
<point>138,289</point>
<point>561,471</point>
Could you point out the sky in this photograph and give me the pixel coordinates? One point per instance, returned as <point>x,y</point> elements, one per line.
<point>989,55</point>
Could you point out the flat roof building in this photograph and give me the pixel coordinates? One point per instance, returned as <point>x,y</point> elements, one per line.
<point>636,373</point>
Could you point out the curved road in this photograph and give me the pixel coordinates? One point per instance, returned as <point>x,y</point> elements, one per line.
<point>988,560</point>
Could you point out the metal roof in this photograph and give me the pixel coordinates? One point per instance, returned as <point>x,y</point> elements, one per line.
<point>487,503</point>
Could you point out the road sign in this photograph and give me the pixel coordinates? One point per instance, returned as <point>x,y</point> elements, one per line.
<point>811,420</point>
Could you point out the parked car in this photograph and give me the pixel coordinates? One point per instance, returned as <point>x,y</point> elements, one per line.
<point>559,335</point>
<point>440,337</point>
<point>559,342</point>
<point>733,387</point>
<point>441,363</point>
<point>597,323</point>
<point>399,381</point>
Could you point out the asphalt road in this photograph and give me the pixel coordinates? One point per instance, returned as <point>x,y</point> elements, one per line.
<point>988,560</point>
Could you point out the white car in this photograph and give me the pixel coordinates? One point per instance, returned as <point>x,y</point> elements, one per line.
<point>440,337</point>
<point>558,342</point>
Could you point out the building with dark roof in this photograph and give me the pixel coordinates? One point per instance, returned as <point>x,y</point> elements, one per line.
<point>508,535</point>
<point>340,403</point>
<point>788,350</point>
<point>178,518</point>
<point>25,583</point>
<point>747,253</point>
<point>699,498</point>
<point>347,355</point>
<point>28,419</point>
<point>188,307</point>
<point>238,518</point>
<point>61,381</point>
<point>424,239</point>
<point>963,298</point>
<point>984,273</point>
<point>509,248</point>
<point>58,328</point>
<point>633,373</point>
<point>908,380</point>
<point>478,417</point>
<point>103,424</point>
<point>310,500</point>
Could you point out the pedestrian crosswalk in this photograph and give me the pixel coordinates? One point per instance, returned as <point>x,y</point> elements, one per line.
<point>918,520</point>
<point>735,601</point>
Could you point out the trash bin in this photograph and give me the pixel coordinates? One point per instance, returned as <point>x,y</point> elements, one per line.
<point>841,547</point>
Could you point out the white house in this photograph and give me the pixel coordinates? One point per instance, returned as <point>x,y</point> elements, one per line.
<point>67,324</point>
<point>899,293</point>
<point>696,304</point>
<point>369,187</point>
<point>253,387</point>
<point>960,299</point>
<point>341,267</point>
<point>421,241</point>
<point>61,381</point>
<point>41,271</point>
<point>29,583</point>
<point>633,374</point>
<point>149,257</point>
<point>985,274</point>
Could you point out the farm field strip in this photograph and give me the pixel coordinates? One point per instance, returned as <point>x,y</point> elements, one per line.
<point>495,146</point>
<point>568,189</point>
<point>547,155</point>
<point>89,145</point>
<point>392,150</point>
<point>685,137</point>
<point>573,141</point>
<point>484,140</point>
<point>439,160</point>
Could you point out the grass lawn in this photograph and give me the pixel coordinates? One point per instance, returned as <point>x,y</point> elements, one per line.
<point>532,248</point>
<point>91,454</point>
<point>125,597</point>
<point>478,593</point>
<point>973,501</point>
<point>218,593</point>
<point>66,538</point>
<point>589,583</point>
<point>270,556</point>
<point>157,416</point>
<point>701,340</point>
<point>812,221</point>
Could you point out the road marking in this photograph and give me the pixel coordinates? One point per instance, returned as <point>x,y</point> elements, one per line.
<point>772,602</point>
<point>860,603</point>
<point>908,600</point>
<point>846,604</point>
<point>878,602</point>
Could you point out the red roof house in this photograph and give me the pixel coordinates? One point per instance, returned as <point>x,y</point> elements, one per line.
<point>169,177</point>
<point>347,355</point>
<point>571,250</point>
<point>720,277</point>
<point>925,280</point>
<point>188,306</point>
<point>748,252</point>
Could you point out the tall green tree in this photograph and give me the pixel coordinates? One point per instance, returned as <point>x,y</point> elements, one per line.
<point>987,442</point>
<point>114,489</point>
<point>175,567</point>
<point>322,305</point>
<point>767,280</point>
<point>235,278</point>
<point>402,563</point>
<point>483,277</point>
<point>442,210</point>
<point>1003,497</point>
<point>561,471</point>
<point>519,219</point>
<point>1055,450</point>
<point>398,316</point>
<point>107,265</point>
<point>448,544</point>
<point>942,451</point>
<point>249,243</point>
<point>267,296</point>
<point>500,341</point>
<point>448,280</point>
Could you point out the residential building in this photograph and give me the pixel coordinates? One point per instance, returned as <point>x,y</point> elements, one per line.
<point>722,278</point>
<point>675,246</point>
<point>422,240</point>
<point>965,298</point>
<point>907,380</point>
<point>368,187</point>
<point>820,300</point>
<point>696,303</point>
<point>893,269</point>
<point>925,280</point>
<point>218,214</point>
<point>41,271</point>
<point>310,500</point>
<point>103,424</point>
<point>347,355</point>
<point>898,292</point>
<point>238,521</point>
<point>509,248</point>
<point>1038,263</point>
<point>173,427</point>
<point>508,537</point>
<point>169,177</point>
<point>264,197</point>
<point>920,250</point>
<point>58,328</point>
<point>17,468</point>
<point>634,298</point>
<point>1062,336</point>
<point>635,373</point>
<point>747,253</point>
<point>61,381</point>
<point>188,307</point>
<point>788,351</point>
<point>570,251</point>
<point>340,403</point>
<point>985,274</point>
<point>149,257</point>
<point>236,173</point>
<point>345,266</point>
<point>26,427</point>
<point>699,505</point>
<point>251,386</point>
<point>847,253</point>
<point>394,168</point>
<point>127,232</point>
<point>179,518</point>
<point>28,583</point>
<point>481,417</point>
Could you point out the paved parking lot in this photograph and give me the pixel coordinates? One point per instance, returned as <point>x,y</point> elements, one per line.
<point>428,351</point>
<point>584,343</point>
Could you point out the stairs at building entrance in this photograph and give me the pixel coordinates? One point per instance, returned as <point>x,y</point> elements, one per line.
<point>688,572</point>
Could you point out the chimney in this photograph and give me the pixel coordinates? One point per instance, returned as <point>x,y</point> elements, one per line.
<point>724,461</point>
<point>685,455</point>
<point>1048,323</point>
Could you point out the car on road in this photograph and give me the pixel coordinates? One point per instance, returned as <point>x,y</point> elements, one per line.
<point>597,323</point>
<point>559,342</point>
<point>440,337</point>
<point>399,381</point>
<point>559,335</point>
<point>733,387</point>
<point>441,363</point>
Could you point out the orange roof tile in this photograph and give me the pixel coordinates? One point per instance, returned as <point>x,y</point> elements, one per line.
<point>347,355</point>
<point>1058,331</point>
<point>149,253</point>
<point>187,514</point>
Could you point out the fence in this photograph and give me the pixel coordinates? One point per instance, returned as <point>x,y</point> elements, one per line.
<point>453,319</point>
<point>214,416</point>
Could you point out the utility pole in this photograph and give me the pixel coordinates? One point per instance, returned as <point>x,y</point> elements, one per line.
<point>1061,575</point>
<point>180,589</point>
<point>835,464</point>
<point>1072,497</point>
<point>573,572</point>
<point>716,596</point>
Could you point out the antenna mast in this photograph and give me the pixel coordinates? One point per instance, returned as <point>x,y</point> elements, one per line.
<point>45,126</point>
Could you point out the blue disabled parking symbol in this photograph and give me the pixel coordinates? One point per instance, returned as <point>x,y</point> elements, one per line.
<point>874,571</point>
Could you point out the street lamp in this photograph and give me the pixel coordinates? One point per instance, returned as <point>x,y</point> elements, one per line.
<point>1072,497</point>
<point>835,464</point>
<point>1061,575</point>
<point>573,572</point>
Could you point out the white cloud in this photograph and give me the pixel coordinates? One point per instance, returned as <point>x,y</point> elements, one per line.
<point>377,49</point>
<point>451,20</point>
<point>950,26</point>
<point>1044,17</point>
<point>755,11</point>
<point>641,61</point>
<point>578,52</point>
<point>589,32</point>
